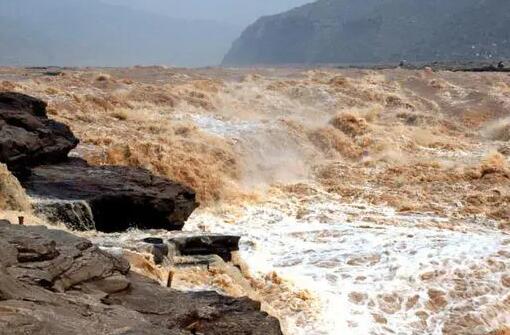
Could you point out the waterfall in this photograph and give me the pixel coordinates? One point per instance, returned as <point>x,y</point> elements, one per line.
<point>75,214</point>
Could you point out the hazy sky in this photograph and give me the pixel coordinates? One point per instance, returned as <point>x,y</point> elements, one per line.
<point>238,12</point>
<point>126,32</point>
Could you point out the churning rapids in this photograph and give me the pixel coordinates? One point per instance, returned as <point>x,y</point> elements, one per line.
<point>369,202</point>
<point>372,270</point>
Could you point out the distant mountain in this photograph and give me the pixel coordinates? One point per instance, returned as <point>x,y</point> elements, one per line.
<point>92,33</point>
<point>375,31</point>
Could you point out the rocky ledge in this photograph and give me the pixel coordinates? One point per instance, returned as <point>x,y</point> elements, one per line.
<point>117,197</point>
<point>27,136</point>
<point>52,282</point>
<point>220,245</point>
<point>70,191</point>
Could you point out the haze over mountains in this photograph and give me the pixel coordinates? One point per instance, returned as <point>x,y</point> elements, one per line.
<point>373,31</point>
<point>235,12</point>
<point>123,33</point>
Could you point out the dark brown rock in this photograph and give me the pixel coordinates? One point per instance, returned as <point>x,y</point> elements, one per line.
<point>84,197</point>
<point>118,197</point>
<point>98,295</point>
<point>221,245</point>
<point>27,136</point>
<point>194,312</point>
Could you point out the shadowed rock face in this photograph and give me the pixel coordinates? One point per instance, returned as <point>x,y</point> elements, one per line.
<point>27,136</point>
<point>97,294</point>
<point>119,197</point>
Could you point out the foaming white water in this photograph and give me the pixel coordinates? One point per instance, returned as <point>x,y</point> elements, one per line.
<point>76,214</point>
<point>374,271</point>
<point>267,152</point>
<point>225,128</point>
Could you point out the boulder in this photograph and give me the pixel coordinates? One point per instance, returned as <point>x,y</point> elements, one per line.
<point>158,249</point>
<point>27,136</point>
<point>52,282</point>
<point>53,259</point>
<point>116,197</point>
<point>189,245</point>
<point>221,245</point>
<point>194,312</point>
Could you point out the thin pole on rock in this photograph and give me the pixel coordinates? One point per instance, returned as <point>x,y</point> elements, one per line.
<point>170,279</point>
<point>21,220</point>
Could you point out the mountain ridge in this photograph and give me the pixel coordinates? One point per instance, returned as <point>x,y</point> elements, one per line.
<point>346,31</point>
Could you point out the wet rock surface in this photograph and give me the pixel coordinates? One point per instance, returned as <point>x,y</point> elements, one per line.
<point>119,197</point>
<point>52,282</point>
<point>76,214</point>
<point>178,249</point>
<point>194,312</point>
<point>221,245</point>
<point>27,136</point>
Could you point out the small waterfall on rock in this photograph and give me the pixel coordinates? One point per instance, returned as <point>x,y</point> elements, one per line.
<point>76,214</point>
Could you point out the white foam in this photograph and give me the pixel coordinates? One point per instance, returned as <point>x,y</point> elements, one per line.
<point>224,127</point>
<point>330,248</point>
<point>264,149</point>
